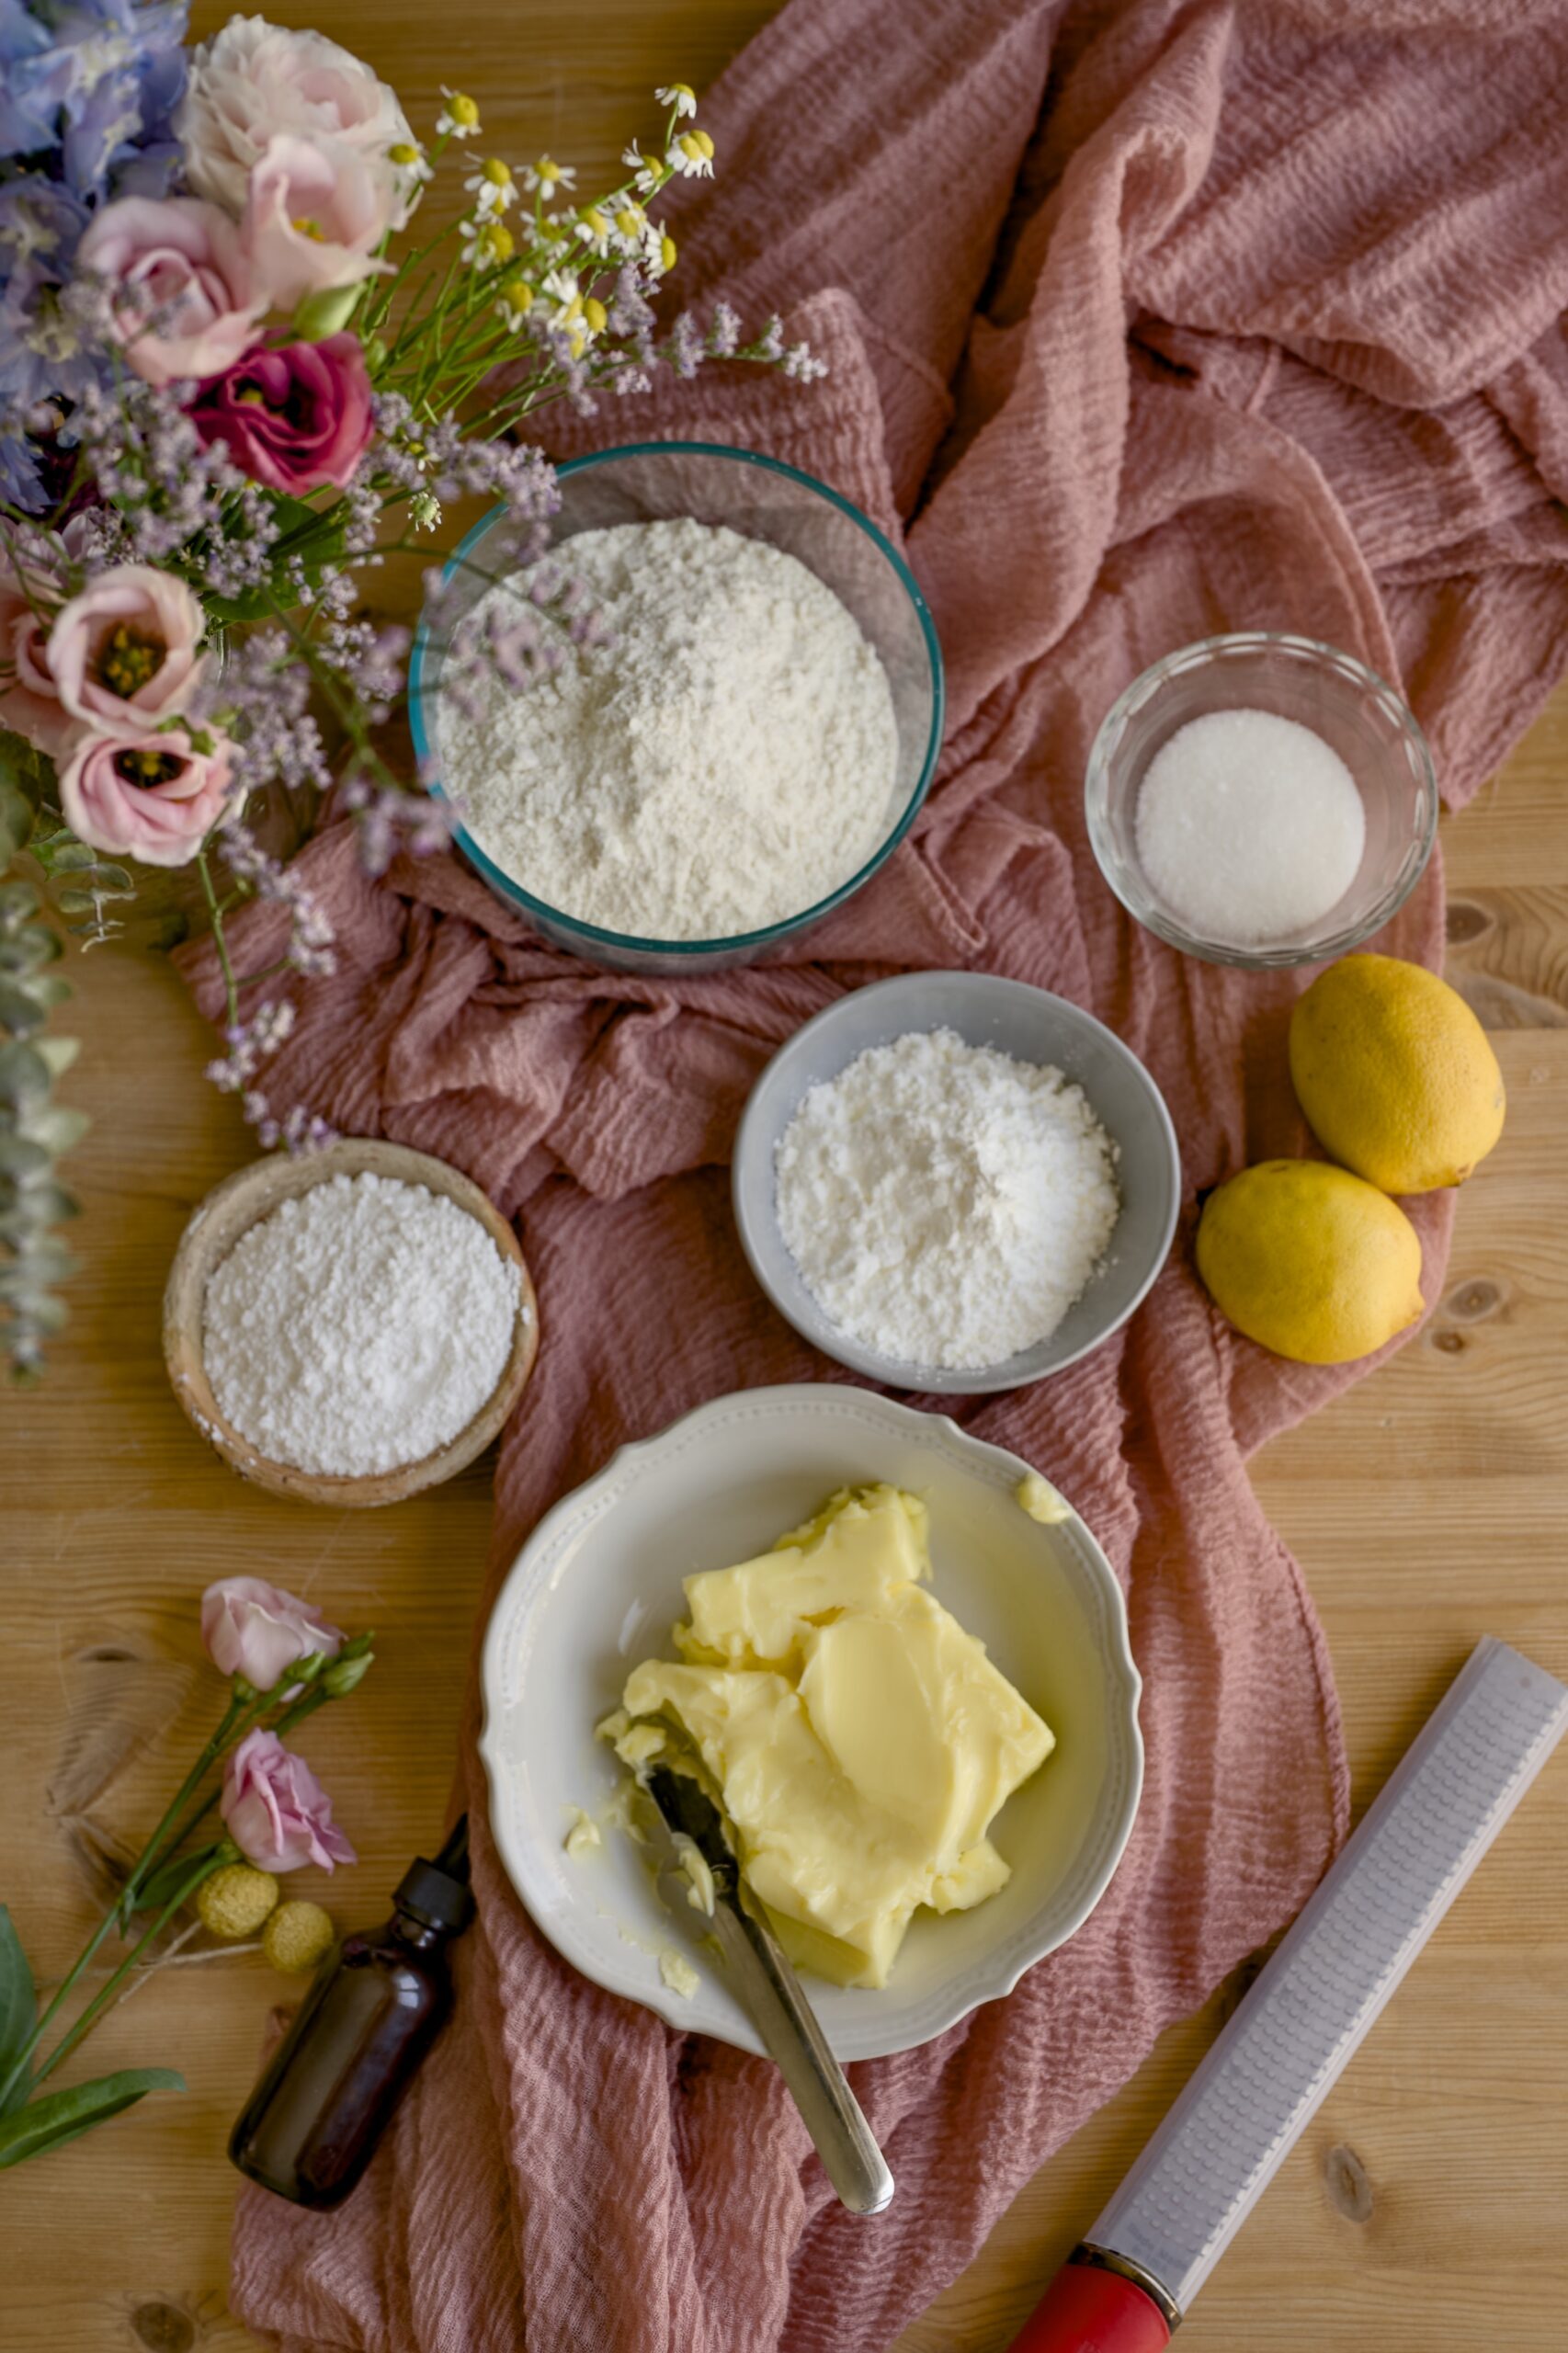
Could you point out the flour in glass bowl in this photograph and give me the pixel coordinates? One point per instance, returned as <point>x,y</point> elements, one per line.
<point>945,1204</point>
<point>727,761</point>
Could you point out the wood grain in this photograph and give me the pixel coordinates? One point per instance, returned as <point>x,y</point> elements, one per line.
<point>1424,2211</point>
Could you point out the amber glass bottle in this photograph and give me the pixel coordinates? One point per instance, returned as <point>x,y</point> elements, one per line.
<point>378,2001</point>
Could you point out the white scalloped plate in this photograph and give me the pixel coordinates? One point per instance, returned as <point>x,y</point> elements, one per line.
<point>597,1587</point>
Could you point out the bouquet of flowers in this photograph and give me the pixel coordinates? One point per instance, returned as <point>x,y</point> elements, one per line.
<point>233,380</point>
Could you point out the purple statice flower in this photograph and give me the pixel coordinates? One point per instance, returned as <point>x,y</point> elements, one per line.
<point>392,822</point>
<point>262,693</point>
<point>686,347</point>
<point>249,1044</point>
<point>724,333</point>
<point>87,94</point>
<point>297,1131</point>
<point>311,948</point>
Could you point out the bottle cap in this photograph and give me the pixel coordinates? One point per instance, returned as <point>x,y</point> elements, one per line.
<point>438,1892</point>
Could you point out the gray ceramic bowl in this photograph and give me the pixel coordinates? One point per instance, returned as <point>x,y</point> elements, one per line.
<point>1032,1027</point>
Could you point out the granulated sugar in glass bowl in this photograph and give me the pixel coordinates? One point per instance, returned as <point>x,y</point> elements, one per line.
<point>351,1326</point>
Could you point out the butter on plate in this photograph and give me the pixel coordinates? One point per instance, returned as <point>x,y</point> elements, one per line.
<point>860,1742</point>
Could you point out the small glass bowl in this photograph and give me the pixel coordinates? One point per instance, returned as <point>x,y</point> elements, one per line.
<point>1295,678</point>
<point>765,499</point>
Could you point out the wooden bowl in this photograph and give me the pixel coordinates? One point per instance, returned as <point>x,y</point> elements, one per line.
<point>217,1223</point>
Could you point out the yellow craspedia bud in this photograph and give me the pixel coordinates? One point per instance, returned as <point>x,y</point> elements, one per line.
<point>666,252</point>
<point>235,1901</point>
<point>404,154</point>
<point>518,296</point>
<point>296,1936</point>
<point>464,111</point>
<point>497,242</point>
<point>595,314</point>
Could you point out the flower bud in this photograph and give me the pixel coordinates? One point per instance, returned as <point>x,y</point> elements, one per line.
<point>235,1901</point>
<point>326,312</point>
<point>345,1673</point>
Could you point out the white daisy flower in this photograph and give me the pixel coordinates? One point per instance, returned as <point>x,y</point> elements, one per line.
<point>559,287</point>
<point>648,174</point>
<point>493,187</point>
<point>679,94</point>
<point>692,155</point>
<point>549,176</point>
<point>459,119</point>
<point>487,242</point>
<point>594,229</point>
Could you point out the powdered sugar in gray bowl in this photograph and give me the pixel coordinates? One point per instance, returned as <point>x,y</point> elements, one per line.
<point>1069,1258</point>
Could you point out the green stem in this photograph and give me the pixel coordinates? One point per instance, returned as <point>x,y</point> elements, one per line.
<point>202,1866</point>
<point>216,913</point>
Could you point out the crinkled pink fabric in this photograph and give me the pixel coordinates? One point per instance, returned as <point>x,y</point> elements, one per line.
<point>1143,322</point>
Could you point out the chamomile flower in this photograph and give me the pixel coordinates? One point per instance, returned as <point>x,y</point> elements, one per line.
<point>516,300</point>
<point>559,289</point>
<point>594,229</point>
<point>459,119</point>
<point>647,173</point>
<point>493,187</point>
<point>630,221</point>
<point>679,94</point>
<point>595,318</point>
<point>658,249</point>
<point>411,163</point>
<point>692,155</point>
<point>487,242</point>
<point>548,176</point>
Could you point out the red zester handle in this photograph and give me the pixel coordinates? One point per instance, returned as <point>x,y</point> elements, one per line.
<point>1087,2309</point>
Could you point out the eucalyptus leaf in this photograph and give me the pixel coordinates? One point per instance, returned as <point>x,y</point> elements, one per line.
<point>71,857</point>
<point>49,989</point>
<point>57,1053</point>
<point>21,1011</point>
<point>26,769</point>
<point>18,817</point>
<point>75,902</point>
<point>41,1261</point>
<point>27,950</point>
<point>24,1076</point>
<point>58,2117</point>
<point>21,1157</point>
<point>19,2010</point>
<point>33,1209</point>
<point>41,1309</point>
<point>18,899</point>
<point>56,1126</point>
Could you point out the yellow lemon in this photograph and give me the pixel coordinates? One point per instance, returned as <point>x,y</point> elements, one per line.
<point>1395,1074</point>
<point>1310,1261</point>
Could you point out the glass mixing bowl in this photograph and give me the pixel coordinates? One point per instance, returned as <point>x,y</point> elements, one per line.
<point>765,499</point>
<point>1349,706</point>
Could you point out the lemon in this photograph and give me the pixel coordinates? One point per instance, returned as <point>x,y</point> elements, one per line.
<point>1310,1261</point>
<point>1395,1074</point>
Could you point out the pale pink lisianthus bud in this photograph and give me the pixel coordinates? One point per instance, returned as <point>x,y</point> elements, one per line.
<point>254,82</point>
<point>153,796</point>
<point>257,1630</point>
<point>182,297</point>
<point>29,704</point>
<point>123,656</point>
<point>315,213</point>
<point>277,1811</point>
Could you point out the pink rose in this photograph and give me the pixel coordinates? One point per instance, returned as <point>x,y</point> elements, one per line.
<point>29,704</point>
<point>277,1811</point>
<point>315,215</point>
<point>292,418</point>
<point>254,81</point>
<point>184,296</point>
<point>149,796</point>
<point>257,1630</point>
<point>123,655</point>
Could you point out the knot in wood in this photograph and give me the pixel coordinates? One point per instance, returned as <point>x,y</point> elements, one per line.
<point>1345,2177</point>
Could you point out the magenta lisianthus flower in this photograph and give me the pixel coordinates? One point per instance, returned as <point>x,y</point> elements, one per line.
<point>183,295</point>
<point>150,796</point>
<point>123,656</point>
<point>293,418</point>
<point>257,1630</point>
<point>277,1811</point>
<point>29,704</point>
<point>317,210</point>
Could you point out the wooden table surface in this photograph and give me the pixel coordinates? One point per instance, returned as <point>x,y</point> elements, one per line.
<point>1424,2210</point>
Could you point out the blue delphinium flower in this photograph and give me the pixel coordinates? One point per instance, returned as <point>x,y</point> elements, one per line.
<point>88,90</point>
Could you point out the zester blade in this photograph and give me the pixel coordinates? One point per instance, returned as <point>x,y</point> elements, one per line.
<point>1258,2088</point>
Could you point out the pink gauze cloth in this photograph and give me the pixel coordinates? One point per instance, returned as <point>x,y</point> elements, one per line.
<point>1143,322</point>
